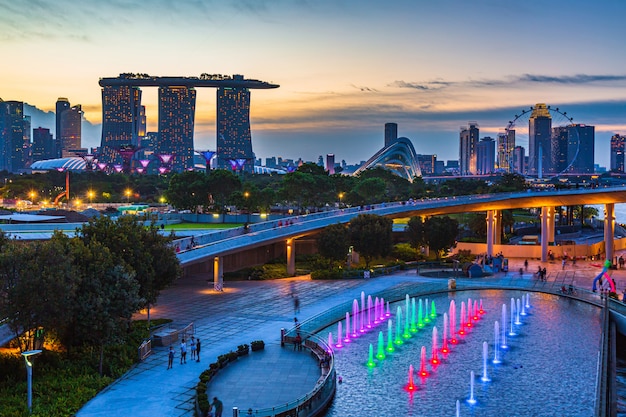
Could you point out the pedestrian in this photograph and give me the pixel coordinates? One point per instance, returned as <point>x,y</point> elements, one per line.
<point>296,304</point>
<point>183,352</point>
<point>192,347</point>
<point>198,350</point>
<point>563,262</point>
<point>521,273</point>
<point>170,358</point>
<point>526,265</point>
<point>217,404</point>
<point>545,274</point>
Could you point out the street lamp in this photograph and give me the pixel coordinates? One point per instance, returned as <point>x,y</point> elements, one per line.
<point>128,192</point>
<point>340,198</point>
<point>246,194</point>
<point>90,195</point>
<point>32,196</point>
<point>29,375</point>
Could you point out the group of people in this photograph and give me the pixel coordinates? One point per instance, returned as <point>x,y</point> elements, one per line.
<point>541,273</point>
<point>195,347</point>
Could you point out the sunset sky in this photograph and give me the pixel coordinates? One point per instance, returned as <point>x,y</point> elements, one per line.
<point>345,67</point>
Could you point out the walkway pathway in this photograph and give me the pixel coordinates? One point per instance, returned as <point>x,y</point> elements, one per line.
<point>251,310</point>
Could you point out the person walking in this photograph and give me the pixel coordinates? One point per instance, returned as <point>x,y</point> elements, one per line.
<point>183,352</point>
<point>170,358</point>
<point>526,265</point>
<point>219,407</point>
<point>198,350</point>
<point>192,347</point>
<point>296,304</point>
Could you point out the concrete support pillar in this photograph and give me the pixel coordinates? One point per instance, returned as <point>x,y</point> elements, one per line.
<point>551,224</point>
<point>291,257</point>
<point>490,232</point>
<point>218,274</point>
<point>497,227</point>
<point>609,230</point>
<point>544,233</point>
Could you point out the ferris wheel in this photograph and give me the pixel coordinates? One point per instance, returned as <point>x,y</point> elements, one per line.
<point>547,137</point>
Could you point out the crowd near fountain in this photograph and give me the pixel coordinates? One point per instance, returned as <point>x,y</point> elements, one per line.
<point>412,317</point>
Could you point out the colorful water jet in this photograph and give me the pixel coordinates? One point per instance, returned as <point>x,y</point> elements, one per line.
<point>444,348</point>
<point>411,386</point>
<point>512,331</point>
<point>503,344</point>
<point>423,372</point>
<point>420,320</point>
<point>485,377</point>
<point>462,326</point>
<point>339,334</point>
<point>434,359</point>
<point>413,322</point>
<point>370,360</point>
<point>517,311</point>
<point>390,347</point>
<point>380,353</point>
<point>398,340</point>
<point>426,314</point>
<point>433,310</point>
<point>471,399</point>
<point>347,338</point>
<point>496,342</point>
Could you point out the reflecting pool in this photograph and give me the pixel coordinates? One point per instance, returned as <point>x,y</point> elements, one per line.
<point>548,368</point>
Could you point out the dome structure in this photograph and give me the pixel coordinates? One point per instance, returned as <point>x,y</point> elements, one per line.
<point>399,157</point>
<point>69,164</point>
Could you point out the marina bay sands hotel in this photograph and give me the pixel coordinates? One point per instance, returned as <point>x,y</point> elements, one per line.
<point>124,118</point>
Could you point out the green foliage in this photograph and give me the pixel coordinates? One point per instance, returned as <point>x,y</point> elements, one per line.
<point>441,234</point>
<point>257,345</point>
<point>404,252</point>
<point>333,242</point>
<point>320,274</point>
<point>371,236</point>
<point>188,190</point>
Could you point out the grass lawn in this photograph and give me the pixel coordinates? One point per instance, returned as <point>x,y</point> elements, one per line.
<point>198,226</point>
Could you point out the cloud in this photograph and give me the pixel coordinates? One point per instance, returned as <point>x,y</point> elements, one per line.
<point>425,85</point>
<point>365,88</point>
<point>570,79</point>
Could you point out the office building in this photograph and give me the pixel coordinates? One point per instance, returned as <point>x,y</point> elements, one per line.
<point>177,106</point>
<point>70,133</point>
<point>506,144</point>
<point>559,149</point>
<point>539,140</point>
<point>26,144</point>
<point>11,135</point>
<point>618,143</point>
<point>519,160</point>
<point>43,145</point>
<point>391,133</point>
<point>485,156</point>
<point>121,109</point>
<point>62,104</point>
<point>330,163</point>
<point>467,151</point>
<point>581,149</point>
<point>234,140</point>
<point>427,163</point>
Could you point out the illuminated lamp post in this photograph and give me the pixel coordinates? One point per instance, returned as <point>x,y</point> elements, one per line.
<point>340,199</point>
<point>128,193</point>
<point>246,195</point>
<point>28,357</point>
<point>90,195</point>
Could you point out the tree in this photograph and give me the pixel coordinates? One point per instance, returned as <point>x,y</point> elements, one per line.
<point>146,254</point>
<point>371,236</point>
<point>416,232</point>
<point>441,234</point>
<point>333,242</point>
<point>369,190</point>
<point>222,183</point>
<point>188,190</point>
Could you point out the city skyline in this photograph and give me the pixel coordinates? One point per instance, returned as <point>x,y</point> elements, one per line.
<point>345,68</point>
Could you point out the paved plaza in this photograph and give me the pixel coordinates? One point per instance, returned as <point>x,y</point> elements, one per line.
<point>257,310</point>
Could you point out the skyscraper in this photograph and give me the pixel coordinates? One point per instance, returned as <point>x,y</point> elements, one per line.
<point>234,141</point>
<point>618,143</point>
<point>539,133</point>
<point>559,149</point>
<point>26,144</point>
<point>485,156</point>
<point>11,135</point>
<point>43,144</point>
<point>506,144</point>
<point>70,133</point>
<point>519,160</point>
<point>467,151</point>
<point>177,106</point>
<point>581,148</point>
<point>61,105</point>
<point>121,109</point>
<point>391,133</point>
<point>330,163</point>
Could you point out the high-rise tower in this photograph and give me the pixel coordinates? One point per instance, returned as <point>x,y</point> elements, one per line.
<point>70,133</point>
<point>539,133</point>
<point>234,141</point>
<point>618,145</point>
<point>391,133</point>
<point>11,135</point>
<point>61,105</point>
<point>506,144</point>
<point>467,149</point>
<point>177,106</point>
<point>121,110</point>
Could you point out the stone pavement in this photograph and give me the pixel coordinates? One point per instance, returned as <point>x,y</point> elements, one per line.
<point>253,310</point>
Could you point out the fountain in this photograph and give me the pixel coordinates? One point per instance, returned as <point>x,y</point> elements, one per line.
<point>355,318</point>
<point>339,335</point>
<point>390,347</point>
<point>380,353</point>
<point>458,408</point>
<point>376,321</point>
<point>452,310</point>
<point>512,331</point>
<point>370,360</point>
<point>469,313</point>
<point>410,386</point>
<point>433,311</point>
<point>517,312</point>
<point>485,377</point>
<point>369,311</point>
<point>462,326</point>
<point>413,322</point>
<point>381,309</point>
<point>496,342</point>
<point>528,300</point>
<point>523,313</point>
<point>362,313</point>
<point>347,338</point>
<point>481,310</point>
<point>426,314</point>
<point>503,344</point>
<point>388,314</point>
<point>423,372</point>
<point>420,320</point>
<point>471,399</point>
<point>398,340</point>
<point>444,348</point>
<point>475,317</point>
<point>435,356</point>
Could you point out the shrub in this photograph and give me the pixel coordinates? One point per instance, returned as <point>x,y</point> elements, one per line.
<point>404,251</point>
<point>243,349</point>
<point>334,273</point>
<point>257,345</point>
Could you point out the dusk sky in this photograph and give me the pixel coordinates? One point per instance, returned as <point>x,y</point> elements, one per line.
<point>345,67</point>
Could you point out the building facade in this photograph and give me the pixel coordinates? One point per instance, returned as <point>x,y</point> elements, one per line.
<point>391,133</point>
<point>121,110</point>
<point>11,135</point>
<point>506,144</point>
<point>71,131</point>
<point>618,143</point>
<point>539,142</point>
<point>234,140</point>
<point>177,107</point>
<point>485,156</point>
<point>467,150</point>
<point>43,145</point>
